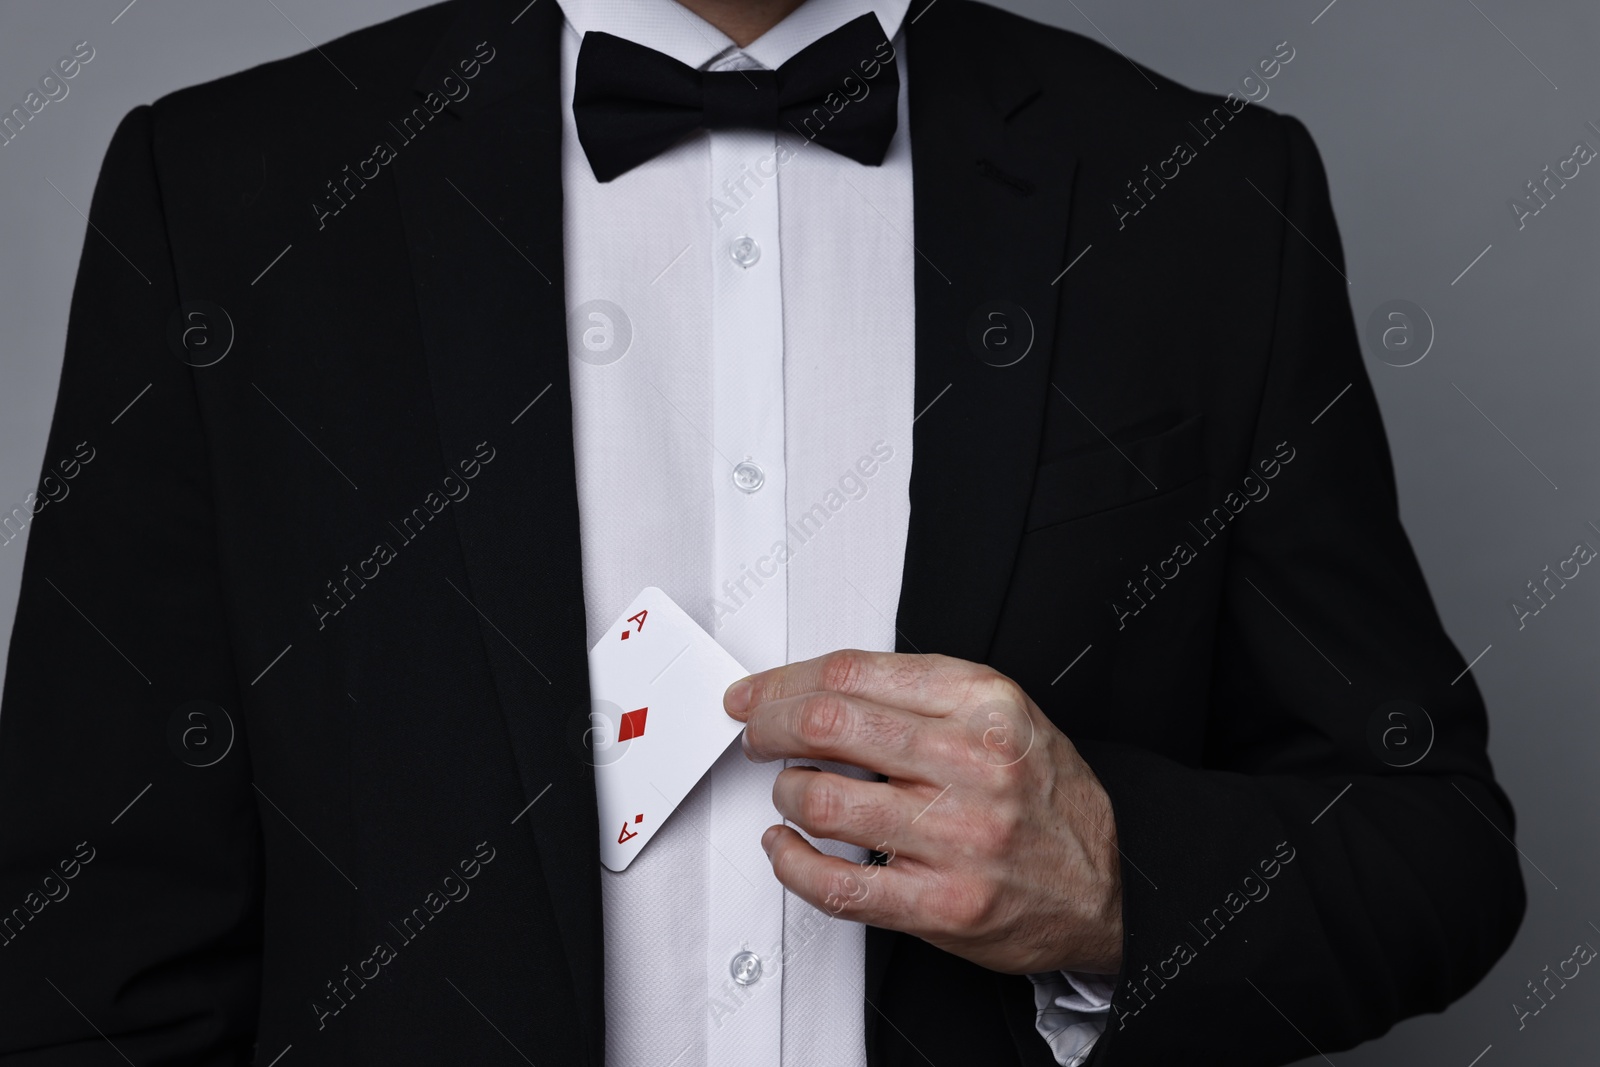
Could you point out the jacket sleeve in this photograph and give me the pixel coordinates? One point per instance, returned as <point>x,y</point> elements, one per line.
<point>1342,858</point>
<point>130,867</point>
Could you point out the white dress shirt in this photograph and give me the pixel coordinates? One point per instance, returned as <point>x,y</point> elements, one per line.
<point>741,336</point>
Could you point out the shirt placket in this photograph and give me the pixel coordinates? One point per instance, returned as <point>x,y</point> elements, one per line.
<point>745,942</point>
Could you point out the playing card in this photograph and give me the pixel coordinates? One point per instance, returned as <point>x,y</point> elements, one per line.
<point>656,680</point>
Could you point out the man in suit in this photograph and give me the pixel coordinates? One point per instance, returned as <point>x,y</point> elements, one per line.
<point>993,399</point>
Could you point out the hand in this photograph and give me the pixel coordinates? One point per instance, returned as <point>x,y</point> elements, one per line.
<point>1001,842</point>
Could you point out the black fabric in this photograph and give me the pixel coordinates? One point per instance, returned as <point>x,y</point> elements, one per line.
<point>632,103</point>
<point>388,728</point>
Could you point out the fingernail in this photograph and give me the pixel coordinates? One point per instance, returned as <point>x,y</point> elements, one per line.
<point>737,699</point>
<point>767,839</point>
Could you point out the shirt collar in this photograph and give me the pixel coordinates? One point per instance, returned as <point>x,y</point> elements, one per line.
<point>674,30</point>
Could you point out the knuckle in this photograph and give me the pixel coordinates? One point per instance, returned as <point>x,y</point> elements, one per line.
<point>824,721</point>
<point>1010,779</point>
<point>995,688</point>
<point>1007,820</point>
<point>843,671</point>
<point>821,807</point>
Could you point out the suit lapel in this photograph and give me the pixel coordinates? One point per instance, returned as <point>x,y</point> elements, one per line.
<point>990,212</point>
<point>991,222</point>
<point>480,196</point>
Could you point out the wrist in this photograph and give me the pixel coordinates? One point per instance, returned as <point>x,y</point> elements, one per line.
<point>1095,941</point>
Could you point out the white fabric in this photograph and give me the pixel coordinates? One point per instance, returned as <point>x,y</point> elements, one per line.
<point>802,363</point>
<point>1072,1012</point>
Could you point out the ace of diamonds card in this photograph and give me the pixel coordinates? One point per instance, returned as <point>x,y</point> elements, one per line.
<point>656,681</point>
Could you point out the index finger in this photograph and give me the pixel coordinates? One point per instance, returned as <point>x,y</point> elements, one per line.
<point>931,684</point>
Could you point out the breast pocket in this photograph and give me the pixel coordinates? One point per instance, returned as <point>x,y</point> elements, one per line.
<point>1083,484</point>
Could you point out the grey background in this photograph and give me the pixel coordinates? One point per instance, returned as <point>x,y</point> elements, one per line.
<point>1429,115</point>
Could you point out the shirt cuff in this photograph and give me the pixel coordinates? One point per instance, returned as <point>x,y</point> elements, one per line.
<point>1072,1011</point>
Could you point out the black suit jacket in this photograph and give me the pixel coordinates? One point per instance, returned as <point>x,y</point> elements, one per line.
<point>361,875</point>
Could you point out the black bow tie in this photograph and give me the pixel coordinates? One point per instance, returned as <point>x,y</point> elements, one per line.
<point>632,103</point>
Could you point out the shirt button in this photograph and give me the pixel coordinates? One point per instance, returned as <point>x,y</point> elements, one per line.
<point>745,251</point>
<point>749,477</point>
<point>745,968</point>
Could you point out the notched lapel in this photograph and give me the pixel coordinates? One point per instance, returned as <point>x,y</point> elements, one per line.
<point>480,196</point>
<point>991,214</point>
